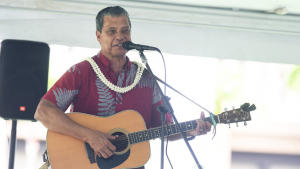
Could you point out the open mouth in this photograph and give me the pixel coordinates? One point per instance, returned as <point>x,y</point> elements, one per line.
<point>118,45</point>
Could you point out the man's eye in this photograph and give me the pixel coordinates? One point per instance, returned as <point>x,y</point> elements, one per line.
<point>125,30</point>
<point>111,31</point>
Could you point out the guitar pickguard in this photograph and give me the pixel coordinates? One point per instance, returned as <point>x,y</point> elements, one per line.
<point>113,161</point>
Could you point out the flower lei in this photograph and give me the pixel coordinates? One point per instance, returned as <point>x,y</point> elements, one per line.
<point>112,86</point>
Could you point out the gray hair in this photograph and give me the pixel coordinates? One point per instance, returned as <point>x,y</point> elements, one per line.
<point>110,11</point>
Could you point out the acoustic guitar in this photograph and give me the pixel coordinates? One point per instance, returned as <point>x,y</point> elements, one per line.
<point>132,144</point>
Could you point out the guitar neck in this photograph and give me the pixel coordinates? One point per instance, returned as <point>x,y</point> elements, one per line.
<point>153,133</point>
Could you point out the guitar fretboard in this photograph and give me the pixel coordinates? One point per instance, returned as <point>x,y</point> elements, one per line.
<point>145,135</point>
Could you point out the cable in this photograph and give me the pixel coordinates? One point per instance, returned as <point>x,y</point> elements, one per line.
<point>165,93</point>
<point>167,147</point>
<point>165,88</point>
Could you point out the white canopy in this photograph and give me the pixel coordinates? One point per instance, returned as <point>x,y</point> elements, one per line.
<point>189,29</point>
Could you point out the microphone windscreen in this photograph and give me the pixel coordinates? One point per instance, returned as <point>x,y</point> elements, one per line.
<point>126,45</point>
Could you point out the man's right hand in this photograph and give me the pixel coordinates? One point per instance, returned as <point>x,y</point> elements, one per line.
<point>100,143</point>
<point>56,120</point>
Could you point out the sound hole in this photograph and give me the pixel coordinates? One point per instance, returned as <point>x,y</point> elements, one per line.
<point>121,143</point>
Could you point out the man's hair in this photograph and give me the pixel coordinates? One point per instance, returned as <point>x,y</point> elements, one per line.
<point>110,11</point>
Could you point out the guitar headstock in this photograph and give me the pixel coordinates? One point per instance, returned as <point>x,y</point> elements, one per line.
<point>241,114</point>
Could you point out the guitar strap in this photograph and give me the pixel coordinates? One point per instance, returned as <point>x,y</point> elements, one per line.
<point>45,165</point>
<point>46,160</point>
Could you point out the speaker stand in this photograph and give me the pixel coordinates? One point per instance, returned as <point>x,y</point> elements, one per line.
<point>12,148</point>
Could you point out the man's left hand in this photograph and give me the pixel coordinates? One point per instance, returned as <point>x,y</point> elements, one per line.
<point>202,128</point>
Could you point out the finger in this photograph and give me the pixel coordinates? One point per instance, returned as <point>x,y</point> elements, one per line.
<point>109,148</point>
<point>111,137</point>
<point>199,127</point>
<point>208,126</point>
<point>99,154</point>
<point>203,126</point>
<point>112,147</point>
<point>104,154</point>
<point>202,115</point>
<point>108,152</point>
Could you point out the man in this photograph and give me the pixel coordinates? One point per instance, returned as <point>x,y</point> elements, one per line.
<point>88,93</point>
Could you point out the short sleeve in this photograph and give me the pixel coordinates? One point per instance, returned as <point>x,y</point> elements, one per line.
<point>65,90</point>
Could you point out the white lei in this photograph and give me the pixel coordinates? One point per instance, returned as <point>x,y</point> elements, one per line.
<point>112,86</point>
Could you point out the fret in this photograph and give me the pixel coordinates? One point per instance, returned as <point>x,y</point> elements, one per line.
<point>168,130</point>
<point>136,136</point>
<point>154,133</point>
<point>151,134</point>
<point>140,135</point>
<point>157,133</point>
<point>147,135</point>
<point>184,127</point>
<point>171,132</point>
<point>135,140</point>
<point>194,125</point>
<point>176,128</point>
<point>131,138</point>
<point>189,126</point>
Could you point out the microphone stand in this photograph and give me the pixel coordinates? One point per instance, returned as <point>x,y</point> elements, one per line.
<point>164,109</point>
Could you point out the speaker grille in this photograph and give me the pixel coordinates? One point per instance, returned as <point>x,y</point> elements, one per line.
<point>23,77</point>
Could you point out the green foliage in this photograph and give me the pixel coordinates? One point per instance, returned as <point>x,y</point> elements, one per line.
<point>229,84</point>
<point>294,80</point>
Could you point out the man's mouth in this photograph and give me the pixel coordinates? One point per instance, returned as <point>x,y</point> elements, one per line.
<point>120,44</point>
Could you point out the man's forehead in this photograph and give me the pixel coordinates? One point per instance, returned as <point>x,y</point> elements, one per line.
<point>116,22</point>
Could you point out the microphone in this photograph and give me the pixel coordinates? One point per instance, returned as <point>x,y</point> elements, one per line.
<point>128,45</point>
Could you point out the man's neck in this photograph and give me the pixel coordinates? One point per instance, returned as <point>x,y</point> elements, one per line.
<point>117,63</point>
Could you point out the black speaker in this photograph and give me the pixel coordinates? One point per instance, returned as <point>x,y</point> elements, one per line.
<point>23,77</point>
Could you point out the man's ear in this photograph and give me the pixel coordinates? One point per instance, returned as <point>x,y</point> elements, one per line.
<point>98,36</point>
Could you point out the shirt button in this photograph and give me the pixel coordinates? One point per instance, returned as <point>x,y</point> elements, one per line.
<point>114,76</point>
<point>106,69</point>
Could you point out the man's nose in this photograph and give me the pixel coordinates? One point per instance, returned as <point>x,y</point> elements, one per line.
<point>120,36</point>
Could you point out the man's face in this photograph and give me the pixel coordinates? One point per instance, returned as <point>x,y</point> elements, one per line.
<point>115,31</point>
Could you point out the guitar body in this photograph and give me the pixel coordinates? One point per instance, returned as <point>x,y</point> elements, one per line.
<point>133,148</point>
<point>66,152</point>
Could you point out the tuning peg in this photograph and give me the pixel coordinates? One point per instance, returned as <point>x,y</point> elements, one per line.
<point>233,107</point>
<point>229,125</point>
<point>225,109</point>
<point>237,124</point>
<point>245,123</point>
<point>252,107</point>
<point>245,105</point>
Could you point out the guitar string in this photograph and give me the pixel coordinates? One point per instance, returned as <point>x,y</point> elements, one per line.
<point>124,142</point>
<point>137,137</point>
<point>140,136</point>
